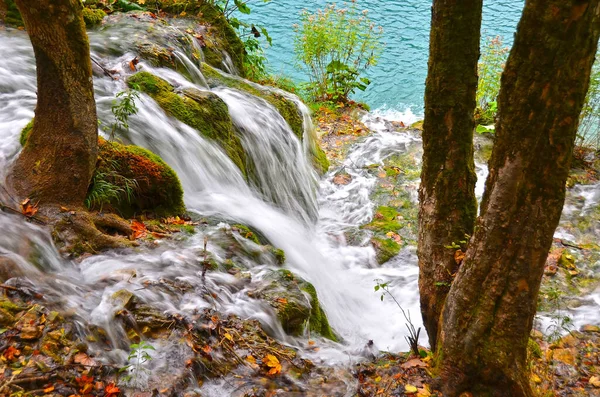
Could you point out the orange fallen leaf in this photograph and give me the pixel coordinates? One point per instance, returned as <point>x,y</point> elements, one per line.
<point>283,301</point>
<point>11,353</point>
<point>459,255</point>
<point>84,359</point>
<point>111,390</point>
<point>28,209</point>
<point>49,389</point>
<point>139,229</point>
<point>413,363</point>
<point>133,63</point>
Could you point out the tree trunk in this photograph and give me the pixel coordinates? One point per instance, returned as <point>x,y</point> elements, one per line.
<point>448,206</point>
<point>490,309</point>
<point>58,160</point>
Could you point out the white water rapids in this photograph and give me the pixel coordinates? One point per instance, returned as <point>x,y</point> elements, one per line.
<point>296,212</point>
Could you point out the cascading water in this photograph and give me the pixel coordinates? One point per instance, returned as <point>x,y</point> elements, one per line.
<point>285,202</point>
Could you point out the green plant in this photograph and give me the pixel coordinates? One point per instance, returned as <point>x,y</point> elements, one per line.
<point>335,47</point>
<point>138,356</point>
<point>255,61</point>
<point>413,334</point>
<point>109,186</point>
<point>589,121</point>
<point>560,322</point>
<point>490,67</point>
<point>123,106</point>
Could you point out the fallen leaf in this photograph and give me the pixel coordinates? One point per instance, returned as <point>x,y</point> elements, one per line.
<point>111,390</point>
<point>273,363</point>
<point>228,336</point>
<point>84,359</point>
<point>595,381</point>
<point>283,301</point>
<point>28,209</point>
<point>133,63</point>
<point>410,389</point>
<point>459,255</point>
<point>49,389</point>
<point>11,353</point>
<point>139,229</point>
<point>414,363</point>
<point>342,179</point>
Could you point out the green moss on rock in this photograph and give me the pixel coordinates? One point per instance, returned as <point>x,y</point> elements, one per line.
<point>286,107</point>
<point>144,183</point>
<point>296,303</point>
<point>385,249</point>
<point>204,111</point>
<point>93,17</point>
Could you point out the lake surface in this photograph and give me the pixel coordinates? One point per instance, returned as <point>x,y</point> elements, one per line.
<point>398,80</point>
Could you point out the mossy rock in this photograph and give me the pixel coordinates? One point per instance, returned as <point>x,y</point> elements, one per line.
<point>385,249</point>
<point>286,107</point>
<point>296,303</point>
<point>204,111</point>
<point>384,221</point>
<point>131,180</point>
<point>93,17</point>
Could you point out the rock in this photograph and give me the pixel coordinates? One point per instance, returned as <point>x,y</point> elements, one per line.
<point>205,112</point>
<point>93,17</point>
<point>296,303</point>
<point>566,356</point>
<point>590,328</point>
<point>138,182</point>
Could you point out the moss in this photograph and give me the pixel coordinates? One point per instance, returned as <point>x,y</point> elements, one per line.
<point>93,17</point>
<point>385,249</point>
<point>318,321</point>
<point>286,107</point>
<point>279,255</point>
<point>418,125</point>
<point>286,294</point>
<point>384,221</point>
<point>25,133</point>
<point>204,111</point>
<point>156,188</point>
<point>245,232</point>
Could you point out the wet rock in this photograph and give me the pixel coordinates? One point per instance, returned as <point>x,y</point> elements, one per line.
<point>296,303</point>
<point>591,329</point>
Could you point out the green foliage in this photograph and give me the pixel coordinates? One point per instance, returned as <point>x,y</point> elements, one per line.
<point>25,133</point>
<point>109,186</point>
<point>255,61</point>
<point>335,46</point>
<point>551,300</point>
<point>138,356</point>
<point>123,107</point>
<point>589,121</point>
<point>490,67</point>
<point>413,333</point>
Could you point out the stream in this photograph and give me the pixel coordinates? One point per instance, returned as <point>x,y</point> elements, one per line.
<point>306,216</point>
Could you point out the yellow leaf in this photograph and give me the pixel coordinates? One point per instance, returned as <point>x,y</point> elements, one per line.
<point>272,362</point>
<point>536,379</point>
<point>142,2</point>
<point>183,13</point>
<point>410,389</point>
<point>378,379</point>
<point>228,337</point>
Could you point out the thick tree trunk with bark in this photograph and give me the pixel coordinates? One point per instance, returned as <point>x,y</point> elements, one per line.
<point>447,194</point>
<point>490,309</point>
<point>58,160</point>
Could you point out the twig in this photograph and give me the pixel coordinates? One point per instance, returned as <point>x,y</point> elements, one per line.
<point>571,245</point>
<point>6,208</point>
<point>106,72</point>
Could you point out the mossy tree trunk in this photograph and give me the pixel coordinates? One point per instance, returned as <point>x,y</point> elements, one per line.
<point>58,160</point>
<point>490,309</point>
<point>448,206</point>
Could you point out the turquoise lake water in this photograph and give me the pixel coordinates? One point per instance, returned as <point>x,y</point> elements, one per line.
<point>398,80</point>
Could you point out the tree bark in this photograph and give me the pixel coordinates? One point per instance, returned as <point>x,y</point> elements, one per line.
<point>490,309</point>
<point>448,206</point>
<point>58,160</point>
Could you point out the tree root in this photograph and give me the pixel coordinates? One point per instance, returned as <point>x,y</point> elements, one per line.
<point>79,232</point>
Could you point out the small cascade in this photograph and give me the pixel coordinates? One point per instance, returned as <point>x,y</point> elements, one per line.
<point>311,220</point>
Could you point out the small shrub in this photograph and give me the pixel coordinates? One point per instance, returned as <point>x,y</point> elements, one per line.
<point>490,68</point>
<point>335,47</point>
